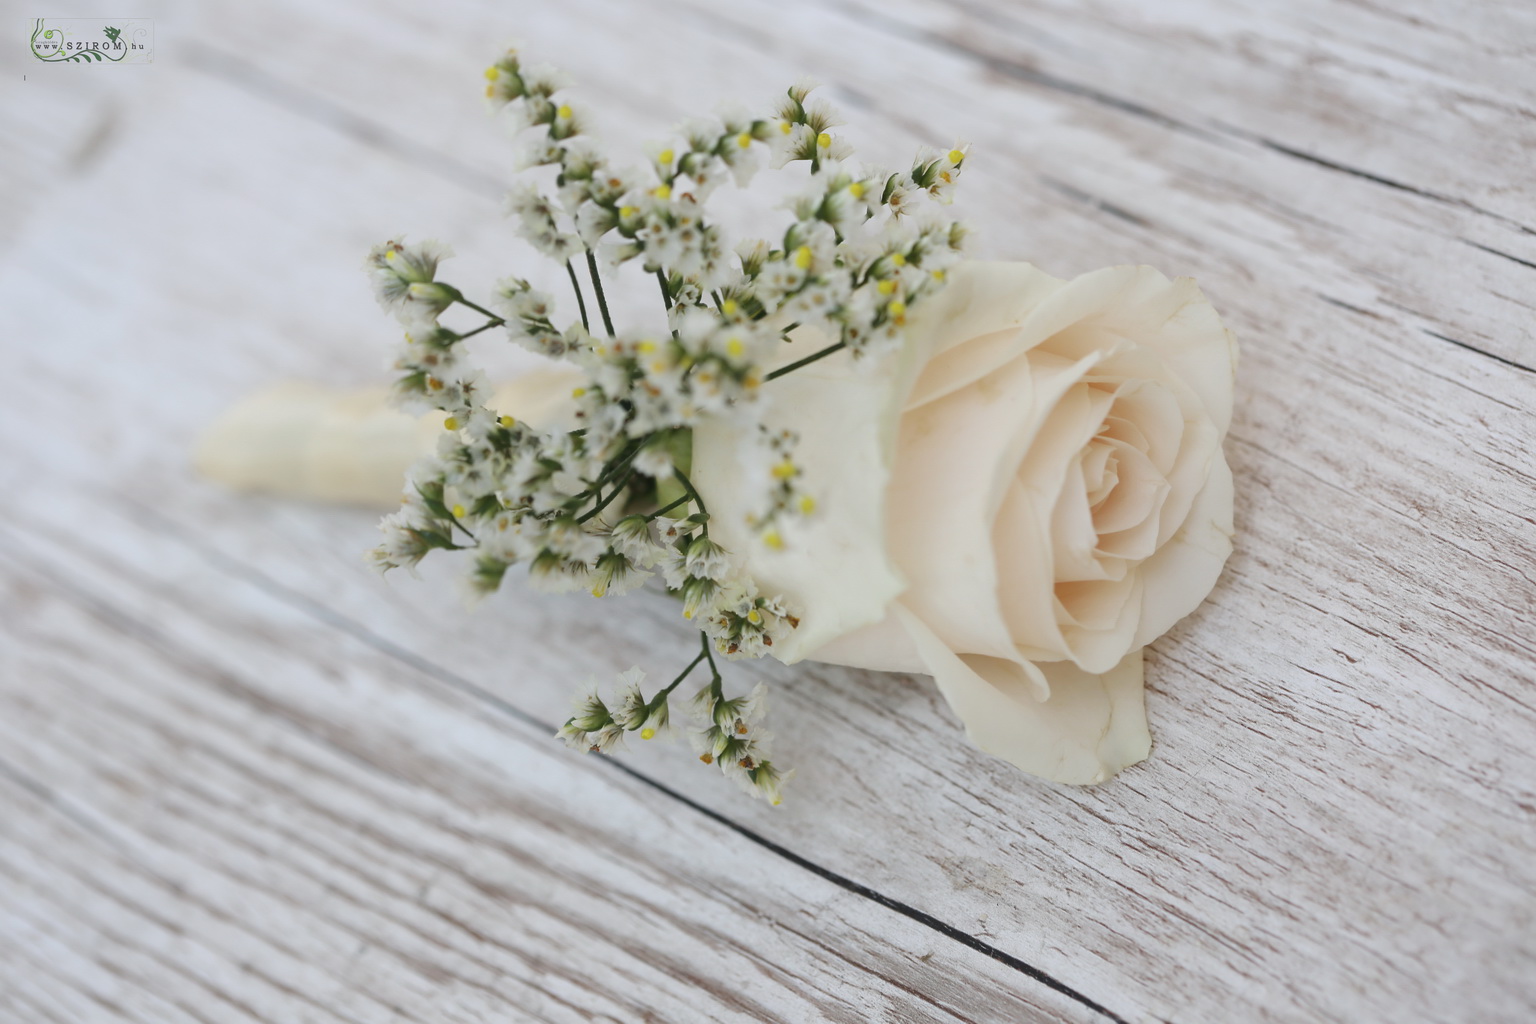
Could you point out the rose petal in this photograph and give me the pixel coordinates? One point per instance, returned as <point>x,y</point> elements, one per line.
<point>834,571</point>
<point>971,326</point>
<point>1098,619</point>
<point>1184,570</point>
<point>1170,318</point>
<point>1127,521</point>
<point>1091,727</point>
<point>1074,538</point>
<point>882,646</point>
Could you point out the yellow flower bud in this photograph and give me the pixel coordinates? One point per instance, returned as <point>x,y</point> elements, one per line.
<point>662,191</point>
<point>492,73</point>
<point>803,257</point>
<point>735,347</point>
<point>899,259</point>
<point>646,347</point>
<point>856,190</point>
<point>886,287</point>
<point>628,211</point>
<point>773,540</point>
<point>823,140</point>
<point>729,307</point>
<point>897,310</point>
<point>647,733</point>
<point>784,470</point>
<point>458,511</point>
<point>564,112</point>
<point>955,156</point>
<point>451,423</point>
<point>508,422</point>
<point>744,140</point>
<point>578,392</point>
<point>665,156</point>
<point>807,505</point>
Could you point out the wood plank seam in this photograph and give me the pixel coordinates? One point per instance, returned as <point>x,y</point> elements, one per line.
<point>358,631</point>
<point>222,563</point>
<point>236,71</point>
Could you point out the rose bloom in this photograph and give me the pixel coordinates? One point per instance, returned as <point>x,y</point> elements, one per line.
<point>1026,495</point>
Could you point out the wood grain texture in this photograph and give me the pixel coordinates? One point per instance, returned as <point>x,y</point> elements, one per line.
<point>243,780</point>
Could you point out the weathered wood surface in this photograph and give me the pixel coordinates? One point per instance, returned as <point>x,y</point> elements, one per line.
<point>241,780</point>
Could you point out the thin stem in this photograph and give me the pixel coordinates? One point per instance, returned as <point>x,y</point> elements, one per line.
<point>808,360</point>
<point>668,508</point>
<point>682,478</point>
<point>581,303</point>
<point>618,485</point>
<point>715,670</point>
<point>618,462</point>
<point>455,521</point>
<point>597,286</point>
<point>666,292</point>
<point>461,300</point>
<point>661,695</point>
<point>495,322</point>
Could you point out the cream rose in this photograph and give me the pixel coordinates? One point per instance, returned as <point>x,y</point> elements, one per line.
<point>1032,491</point>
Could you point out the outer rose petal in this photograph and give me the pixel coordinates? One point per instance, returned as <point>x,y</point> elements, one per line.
<point>834,570</point>
<point>1091,727</point>
<point>1184,570</point>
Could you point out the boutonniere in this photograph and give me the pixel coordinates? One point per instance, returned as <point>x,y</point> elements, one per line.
<point>838,442</point>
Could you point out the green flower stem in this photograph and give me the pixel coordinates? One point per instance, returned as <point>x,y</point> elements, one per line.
<point>666,293</point>
<point>597,286</point>
<point>715,681</point>
<point>808,360</point>
<point>682,478</point>
<point>461,300</point>
<point>666,691</point>
<point>667,508</point>
<point>617,463</point>
<point>618,486</point>
<point>581,303</point>
<point>493,322</point>
<point>455,521</point>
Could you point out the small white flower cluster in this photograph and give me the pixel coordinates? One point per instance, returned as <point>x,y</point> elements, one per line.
<point>725,732</point>
<point>404,280</point>
<point>599,727</point>
<point>605,506</point>
<point>528,315</point>
<point>733,738</point>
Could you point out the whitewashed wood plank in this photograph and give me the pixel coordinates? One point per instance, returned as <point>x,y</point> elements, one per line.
<point>305,830</point>
<point>1204,198</point>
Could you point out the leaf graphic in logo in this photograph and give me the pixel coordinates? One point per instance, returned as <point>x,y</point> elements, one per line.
<point>112,33</point>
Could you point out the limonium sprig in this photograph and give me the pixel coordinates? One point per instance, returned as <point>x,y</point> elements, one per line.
<point>608,504</point>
